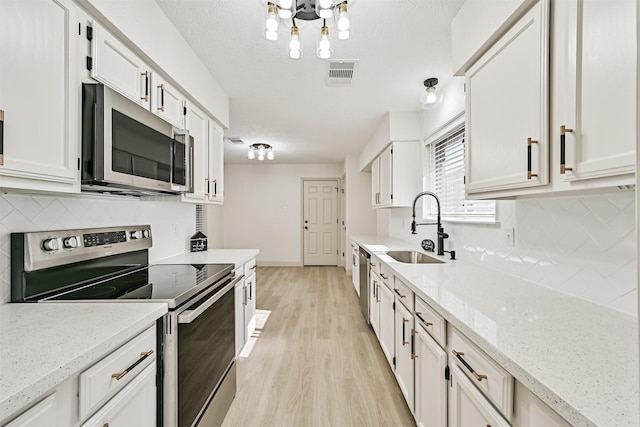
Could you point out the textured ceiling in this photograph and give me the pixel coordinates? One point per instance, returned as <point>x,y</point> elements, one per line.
<point>287,103</point>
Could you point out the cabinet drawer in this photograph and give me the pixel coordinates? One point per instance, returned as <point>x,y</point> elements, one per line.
<point>98,383</point>
<point>375,265</point>
<point>403,293</point>
<point>249,267</point>
<point>433,323</point>
<point>489,377</point>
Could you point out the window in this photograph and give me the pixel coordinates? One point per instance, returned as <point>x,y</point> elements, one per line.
<point>444,175</point>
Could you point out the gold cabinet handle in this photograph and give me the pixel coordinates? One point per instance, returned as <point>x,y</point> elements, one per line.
<point>530,142</point>
<point>459,355</point>
<point>563,167</point>
<point>119,375</point>
<point>398,292</point>
<point>383,276</point>
<point>145,98</point>
<point>161,107</point>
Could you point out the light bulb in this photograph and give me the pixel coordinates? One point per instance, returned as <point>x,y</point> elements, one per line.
<point>325,4</point>
<point>325,13</point>
<point>325,54</point>
<point>272,18</point>
<point>324,44</point>
<point>261,152</point>
<point>343,18</point>
<point>251,154</point>
<point>343,35</point>
<point>261,157</point>
<point>285,13</point>
<point>431,95</point>
<point>286,4</point>
<point>271,35</point>
<point>294,43</point>
<point>295,54</point>
<point>270,154</point>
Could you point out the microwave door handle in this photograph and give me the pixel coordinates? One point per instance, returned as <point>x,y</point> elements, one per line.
<point>189,316</point>
<point>190,176</point>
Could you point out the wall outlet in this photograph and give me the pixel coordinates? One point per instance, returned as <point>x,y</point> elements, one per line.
<point>509,236</point>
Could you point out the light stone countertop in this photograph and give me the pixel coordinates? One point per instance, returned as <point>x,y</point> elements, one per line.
<point>43,344</point>
<point>213,256</point>
<point>580,358</point>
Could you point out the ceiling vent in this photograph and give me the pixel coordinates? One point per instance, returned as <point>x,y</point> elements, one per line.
<point>234,140</point>
<point>341,72</point>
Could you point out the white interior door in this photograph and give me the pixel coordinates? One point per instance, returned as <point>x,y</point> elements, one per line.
<point>320,222</point>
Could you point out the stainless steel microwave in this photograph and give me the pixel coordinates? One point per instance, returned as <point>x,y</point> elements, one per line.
<point>129,150</point>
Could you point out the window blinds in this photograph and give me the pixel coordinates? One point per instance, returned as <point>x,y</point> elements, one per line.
<point>445,166</point>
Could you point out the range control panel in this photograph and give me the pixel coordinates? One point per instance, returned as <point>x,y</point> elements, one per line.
<point>44,249</point>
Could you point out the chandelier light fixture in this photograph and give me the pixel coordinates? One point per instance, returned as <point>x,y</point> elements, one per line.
<point>431,98</point>
<point>308,10</point>
<point>260,151</point>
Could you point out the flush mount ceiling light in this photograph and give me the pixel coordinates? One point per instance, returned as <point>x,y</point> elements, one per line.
<point>260,151</point>
<point>308,10</point>
<point>431,98</point>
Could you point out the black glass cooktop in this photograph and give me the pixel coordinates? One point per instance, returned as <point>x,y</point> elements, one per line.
<point>171,283</point>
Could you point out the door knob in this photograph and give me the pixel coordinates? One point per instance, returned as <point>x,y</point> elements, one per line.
<point>306,228</point>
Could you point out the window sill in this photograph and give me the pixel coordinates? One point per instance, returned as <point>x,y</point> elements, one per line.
<point>466,220</point>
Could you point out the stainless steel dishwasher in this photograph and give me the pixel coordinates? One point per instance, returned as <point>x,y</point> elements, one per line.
<point>363,271</point>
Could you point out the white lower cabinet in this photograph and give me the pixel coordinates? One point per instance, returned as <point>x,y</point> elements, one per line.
<point>374,302</point>
<point>386,324</point>
<point>530,411</point>
<point>40,414</point>
<point>430,382</point>
<point>355,267</point>
<point>467,406</point>
<point>135,405</point>
<point>404,352</point>
<point>245,304</point>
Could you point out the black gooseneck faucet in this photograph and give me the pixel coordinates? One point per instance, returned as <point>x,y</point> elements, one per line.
<point>441,234</point>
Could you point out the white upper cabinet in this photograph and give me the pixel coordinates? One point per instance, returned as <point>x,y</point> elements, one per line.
<point>396,175</point>
<point>595,91</point>
<point>507,109</point>
<point>167,102</point>
<point>40,95</point>
<point>197,123</point>
<point>215,186</point>
<point>115,65</point>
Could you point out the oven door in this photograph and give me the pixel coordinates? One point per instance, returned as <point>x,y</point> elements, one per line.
<point>205,357</point>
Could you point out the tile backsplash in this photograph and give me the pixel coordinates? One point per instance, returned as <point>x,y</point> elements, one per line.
<point>171,223</point>
<point>583,246</point>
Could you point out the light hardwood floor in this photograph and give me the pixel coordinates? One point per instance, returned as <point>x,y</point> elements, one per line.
<point>316,362</point>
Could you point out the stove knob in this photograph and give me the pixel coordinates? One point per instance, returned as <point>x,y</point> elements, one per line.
<point>145,233</point>
<point>70,242</point>
<point>50,245</point>
<point>136,235</point>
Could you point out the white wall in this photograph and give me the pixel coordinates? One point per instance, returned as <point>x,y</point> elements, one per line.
<point>214,215</point>
<point>583,246</point>
<point>172,223</point>
<point>360,216</point>
<point>263,208</point>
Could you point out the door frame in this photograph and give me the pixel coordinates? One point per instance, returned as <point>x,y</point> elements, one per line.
<point>302,180</point>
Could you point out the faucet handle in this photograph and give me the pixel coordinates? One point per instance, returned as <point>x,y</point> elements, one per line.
<point>452,253</point>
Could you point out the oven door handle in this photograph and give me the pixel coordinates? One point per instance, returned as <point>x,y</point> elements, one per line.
<point>189,316</point>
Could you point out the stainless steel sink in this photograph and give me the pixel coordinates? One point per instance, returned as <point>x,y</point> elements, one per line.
<point>413,257</point>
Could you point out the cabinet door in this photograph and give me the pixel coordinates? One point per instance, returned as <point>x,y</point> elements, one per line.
<point>430,383</point>
<point>216,164</point>
<point>375,182</point>
<point>386,324</point>
<point>135,405</point>
<point>603,140</point>
<point>250,308</point>
<point>507,109</point>
<point>467,406</point>
<point>530,411</point>
<point>167,102</point>
<point>240,302</point>
<point>404,345</point>
<point>41,414</point>
<point>386,175</point>
<point>355,268</point>
<point>40,94</point>
<point>118,67</point>
<point>197,123</point>
<point>374,307</point>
